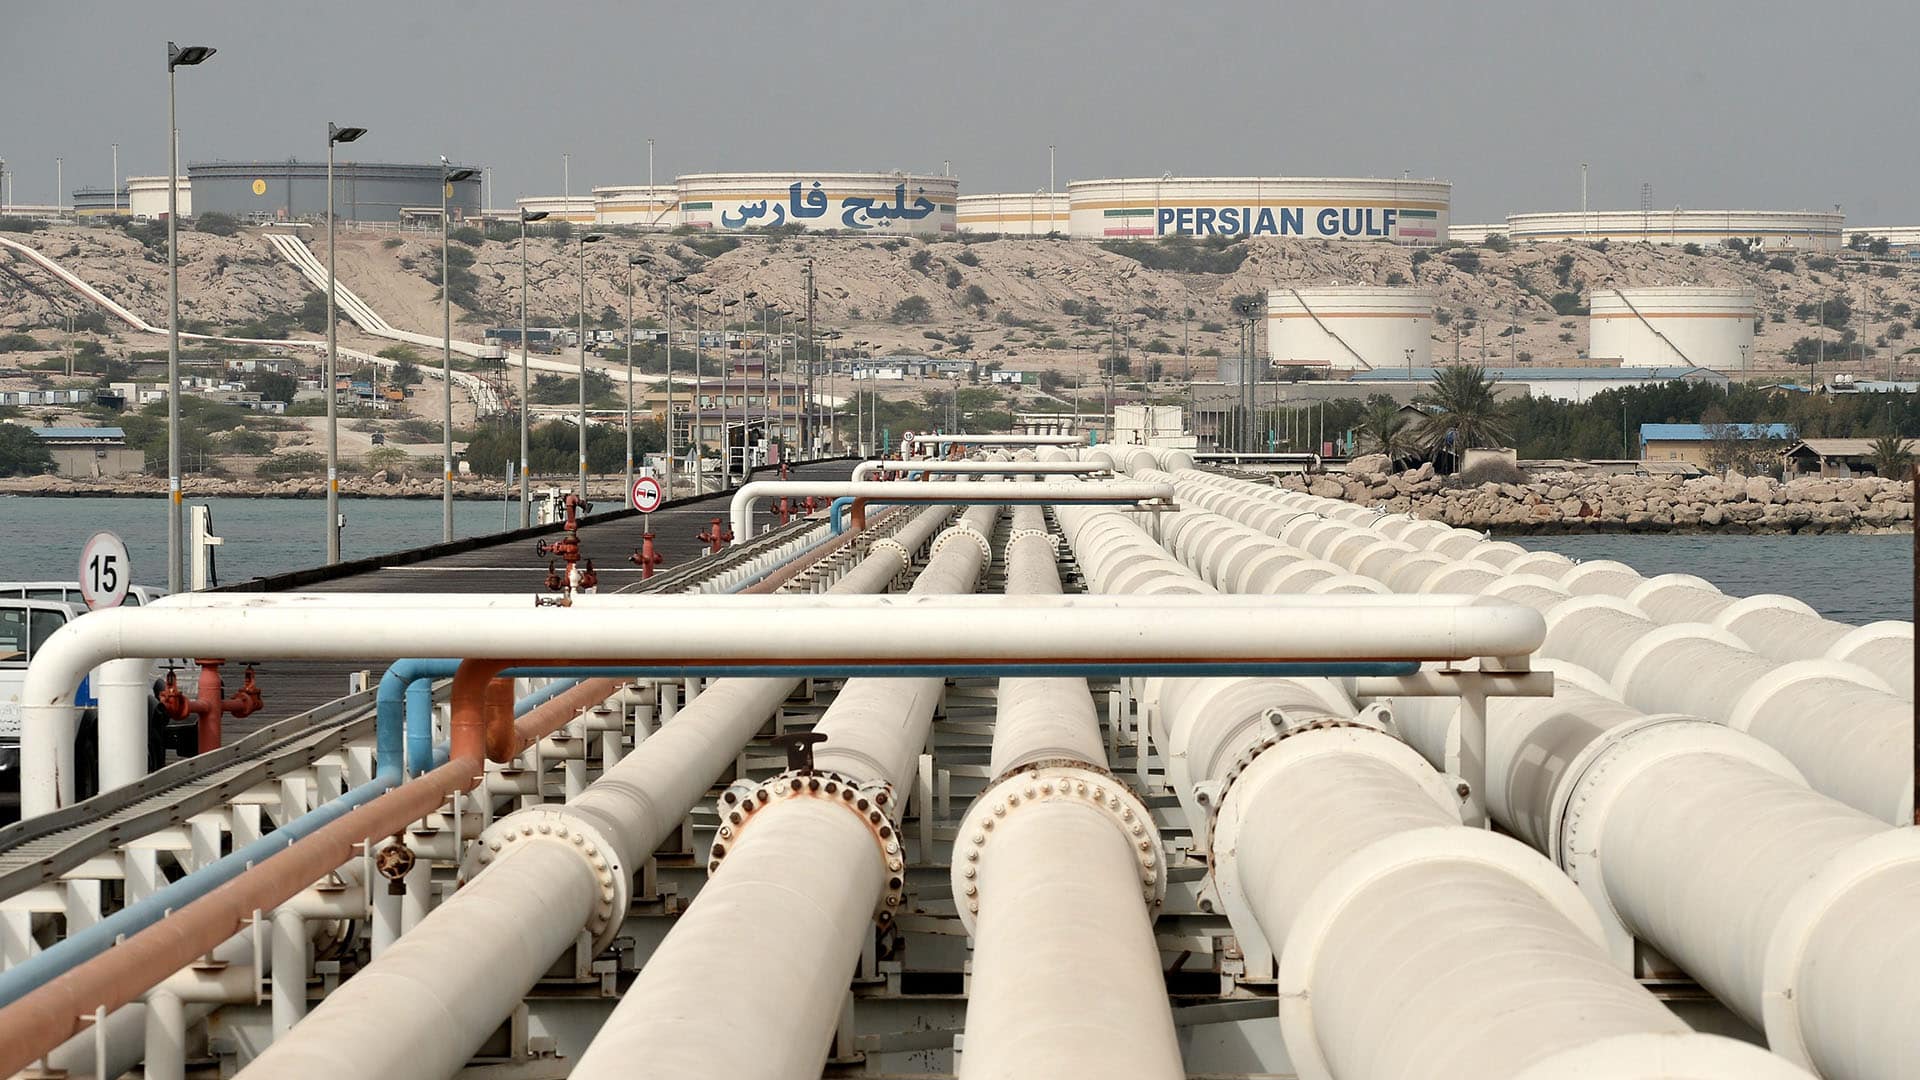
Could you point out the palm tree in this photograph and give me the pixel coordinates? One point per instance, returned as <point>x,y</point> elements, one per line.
<point>1383,429</point>
<point>1891,455</point>
<point>1465,414</point>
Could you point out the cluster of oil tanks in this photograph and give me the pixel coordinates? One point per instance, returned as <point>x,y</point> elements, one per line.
<point>1364,328</point>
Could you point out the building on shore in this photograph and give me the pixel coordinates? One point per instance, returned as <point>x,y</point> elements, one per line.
<point>1696,444</point>
<point>90,452</point>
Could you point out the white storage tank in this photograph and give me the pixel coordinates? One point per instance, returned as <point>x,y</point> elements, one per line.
<point>1651,326</point>
<point>575,210</point>
<point>1330,208</point>
<point>639,205</point>
<point>1797,230</point>
<point>1033,213</point>
<point>893,202</point>
<point>1350,328</point>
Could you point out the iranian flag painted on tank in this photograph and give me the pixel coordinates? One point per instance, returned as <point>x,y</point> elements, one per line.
<point>1422,224</point>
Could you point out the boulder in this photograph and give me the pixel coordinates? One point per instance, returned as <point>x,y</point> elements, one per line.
<point>1369,465</point>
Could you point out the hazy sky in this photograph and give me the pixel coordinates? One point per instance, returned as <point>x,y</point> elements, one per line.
<point>1748,104</point>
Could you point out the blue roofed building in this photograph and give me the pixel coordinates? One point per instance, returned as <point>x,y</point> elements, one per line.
<point>1693,443</point>
<point>91,452</point>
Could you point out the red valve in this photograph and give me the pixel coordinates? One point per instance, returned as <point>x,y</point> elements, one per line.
<point>647,557</point>
<point>784,509</point>
<point>812,506</point>
<point>589,579</point>
<point>567,549</point>
<point>210,704</point>
<point>715,537</point>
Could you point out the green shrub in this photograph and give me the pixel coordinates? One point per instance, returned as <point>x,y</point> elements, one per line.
<point>297,463</point>
<point>18,342</point>
<point>914,309</point>
<point>216,223</point>
<point>468,235</point>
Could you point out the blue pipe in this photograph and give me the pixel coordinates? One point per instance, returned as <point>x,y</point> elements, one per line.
<point>406,691</point>
<point>405,694</point>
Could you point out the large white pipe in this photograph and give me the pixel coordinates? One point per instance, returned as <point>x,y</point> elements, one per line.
<point>1001,439</point>
<point>1049,881</point>
<point>535,891</point>
<point>752,977</point>
<point>819,630</point>
<point>1631,805</point>
<point>1857,753</point>
<point>1359,864</point>
<point>749,495</point>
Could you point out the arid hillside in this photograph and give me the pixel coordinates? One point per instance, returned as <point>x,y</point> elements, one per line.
<point>1027,304</point>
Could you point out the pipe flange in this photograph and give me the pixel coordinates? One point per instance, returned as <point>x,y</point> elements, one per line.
<point>1021,534</point>
<point>869,801</point>
<point>1594,779</point>
<point>1891,851</point>
<point>962,529</point>
<point>888,543</point>
<point>1056,782</point>
<point>1354,875</point>
<point>555,825</point>
<point>1224,840</point>
<point>1377,716</point>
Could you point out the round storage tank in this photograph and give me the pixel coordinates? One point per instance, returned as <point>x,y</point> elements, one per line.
<point>641,206</point>
<point>1031,214</point>
<point>1403,211</point>
<point>823,202</point>
<point>297,190</point>
<point>1799,230</point>
<point>1350,328</point>
<point>1665,325</point>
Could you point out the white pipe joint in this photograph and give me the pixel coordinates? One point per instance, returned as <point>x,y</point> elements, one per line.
<point>1229,833</point>
<point>870,802</point>
<point>1032,790</point>
<point>1590,789</point>
<point>560,827</point>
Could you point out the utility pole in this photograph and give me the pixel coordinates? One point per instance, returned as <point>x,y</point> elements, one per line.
<point>812,417</point>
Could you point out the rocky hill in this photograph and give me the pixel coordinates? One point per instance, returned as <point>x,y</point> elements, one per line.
<point>1028,304</point>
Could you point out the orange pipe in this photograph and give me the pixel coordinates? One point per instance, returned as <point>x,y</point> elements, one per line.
<point>788,571</point>
<point>62,1008</point>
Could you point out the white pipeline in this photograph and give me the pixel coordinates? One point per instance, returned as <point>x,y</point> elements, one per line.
<point>752,977</point>
<point>1357,866</point>
<point>1858,752</point>
<point>1782,885</point>
<point>536,890</point>
<point>749,495</point>
<point>817,629</point>
<point>1058,874</point>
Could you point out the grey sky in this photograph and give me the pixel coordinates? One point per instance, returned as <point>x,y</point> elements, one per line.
<point>1724,104</point>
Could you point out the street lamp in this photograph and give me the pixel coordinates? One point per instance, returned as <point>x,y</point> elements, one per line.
<point>699,412</point>
<point>633,261</point>
<point>176,538</point>
<point>726,440</point>
<point>676,281</point>
<point>334,135</point>
<point>449,176</point>
<point>590,238</point>
<point>526,402</point>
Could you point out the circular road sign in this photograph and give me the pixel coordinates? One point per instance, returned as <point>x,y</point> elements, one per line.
<point>105,571</point>
<point>646,495</point>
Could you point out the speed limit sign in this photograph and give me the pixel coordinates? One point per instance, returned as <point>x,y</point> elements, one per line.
<point>646,495</point>
<point>105,571</point>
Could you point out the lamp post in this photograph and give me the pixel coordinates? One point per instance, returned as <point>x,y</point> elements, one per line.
<point>590,238</point>
<point>676,281</point>
<point>335,135</point>
<point>449,176</point>
<point>699,411</point>
<point>633,261</point>
<point>176,540</point>
<point>526,402</point>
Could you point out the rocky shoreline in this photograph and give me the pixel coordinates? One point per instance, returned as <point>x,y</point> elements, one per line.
<point>1561,503</point>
